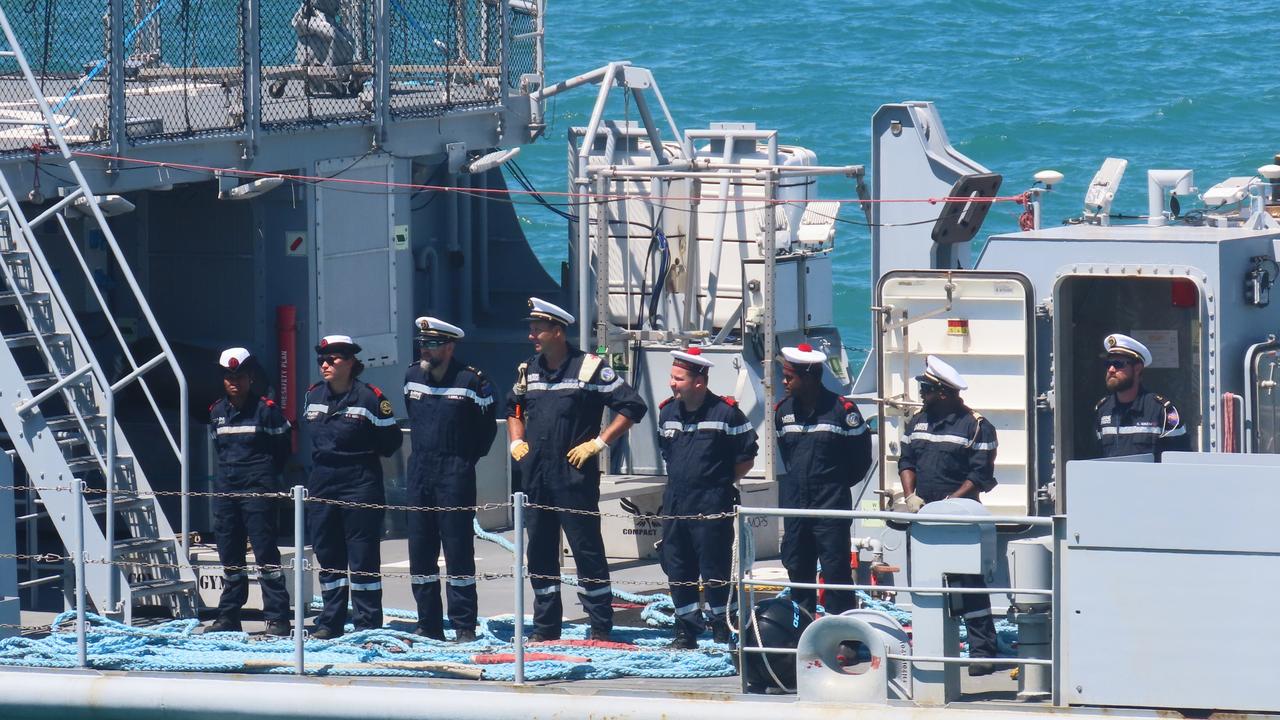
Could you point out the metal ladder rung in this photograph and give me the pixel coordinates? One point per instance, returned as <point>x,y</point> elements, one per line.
<point>138,546</point>
<point>8,297</point>
<point>82,464</point>
<point>123,504</point>
<point>164,586</point>
<point>44,380</point>
<point>68,423</point>
<point>28,339</point>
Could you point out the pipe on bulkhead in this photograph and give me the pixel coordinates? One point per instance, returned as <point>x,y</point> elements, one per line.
<point>465,241</point>
<point>480,246</point>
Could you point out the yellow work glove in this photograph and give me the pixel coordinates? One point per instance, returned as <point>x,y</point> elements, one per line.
<point>914,503</point>
<point>584,452</point>
<point>519,449</point>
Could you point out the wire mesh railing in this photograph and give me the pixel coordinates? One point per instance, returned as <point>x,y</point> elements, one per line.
<point>193,68</point>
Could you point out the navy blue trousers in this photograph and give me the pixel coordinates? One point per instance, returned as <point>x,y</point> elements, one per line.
<point>236,522</point>
<point>693,551</point>
<point>428,531</point>
<point>805,543</point>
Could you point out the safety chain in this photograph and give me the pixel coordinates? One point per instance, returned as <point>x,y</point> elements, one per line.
<point>380,506</point>
<point>631,516</point>
<point>645,583</point>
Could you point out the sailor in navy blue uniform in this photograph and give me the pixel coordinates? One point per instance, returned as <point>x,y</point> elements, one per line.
<point>949,451</point>
<point>351,425</point>
<point>1132,420</point>
<point>452,421</point>
<point>826,450</point>
<point>252,440</point>
<point>553,425</point>
<point>708,445</point>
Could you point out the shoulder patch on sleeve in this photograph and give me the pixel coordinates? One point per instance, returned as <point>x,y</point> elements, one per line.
<point>729,400</point>
<point>590,364</point>
<point>384,407</point>
<point>607,374</point>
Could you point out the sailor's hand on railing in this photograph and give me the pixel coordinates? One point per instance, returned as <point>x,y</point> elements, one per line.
<point>519,449</point>
<point>579,455</point>
<point>914,503</point>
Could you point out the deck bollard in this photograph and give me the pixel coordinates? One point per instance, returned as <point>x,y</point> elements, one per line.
<point>82,643</point>
<point>517,640</point>
<point>299,580</point>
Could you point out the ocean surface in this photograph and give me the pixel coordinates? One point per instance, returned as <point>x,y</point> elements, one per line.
<point>1021,87</point>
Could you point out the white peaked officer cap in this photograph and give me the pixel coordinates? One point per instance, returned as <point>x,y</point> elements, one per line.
<point>691,359</point>
<point>435,327</point>
<point>338,344</point>
<point>940,373</point>
<point>232,358</point>
<point>803,354</point>
<point>540,309</point>
<point>1118,344</point>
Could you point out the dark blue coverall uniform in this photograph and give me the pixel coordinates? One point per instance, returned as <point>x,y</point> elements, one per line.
<point>349,431</point>
<point>561,410</point>
<point>452,425</point>
<point>252,444</point>
<point>945,450</point>
<point>701,448</point>
<point>1149,424</point>
<point>826,452</point>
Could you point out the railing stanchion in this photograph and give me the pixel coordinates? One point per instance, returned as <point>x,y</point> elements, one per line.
<point>742,595</point>
<point>517,639</point>
<point>82,644</point>
<point>299,581</point>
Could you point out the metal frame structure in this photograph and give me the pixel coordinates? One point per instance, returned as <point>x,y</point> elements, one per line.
<point>52,323</point>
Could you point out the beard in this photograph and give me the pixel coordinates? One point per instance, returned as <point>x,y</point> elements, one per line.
<point>1118,384</point>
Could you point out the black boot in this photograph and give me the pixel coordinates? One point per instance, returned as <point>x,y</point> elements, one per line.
<point>683,640</point>
<point>720,632</point>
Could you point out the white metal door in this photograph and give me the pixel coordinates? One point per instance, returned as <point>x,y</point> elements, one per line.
<point>980,323</point>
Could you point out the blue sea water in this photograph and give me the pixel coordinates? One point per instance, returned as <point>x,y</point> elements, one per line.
<point>1021,87</point>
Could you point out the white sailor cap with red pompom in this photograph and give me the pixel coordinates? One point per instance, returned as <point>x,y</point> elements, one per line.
<point>803,354</point>
<point>691,359</point>
<point>338,344</point>
<point>234,359</point>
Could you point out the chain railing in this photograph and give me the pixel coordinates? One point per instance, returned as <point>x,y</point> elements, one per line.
<point>747,585</point>
<point>83,622</point>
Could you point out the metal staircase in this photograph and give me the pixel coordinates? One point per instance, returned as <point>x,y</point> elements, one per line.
<point>57,404</point>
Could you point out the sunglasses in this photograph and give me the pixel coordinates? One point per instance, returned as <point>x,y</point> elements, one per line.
<point>1119,364</point>
<point>329,359</point>
<point>432,343</point>
<point>926,388</point>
